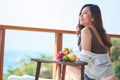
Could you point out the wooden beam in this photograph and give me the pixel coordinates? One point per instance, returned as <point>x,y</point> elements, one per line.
<point>2,40</point>
<point>11,27</point>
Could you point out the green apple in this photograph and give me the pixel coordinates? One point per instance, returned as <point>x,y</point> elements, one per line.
<point>72,57</point>
<point>65,58</point>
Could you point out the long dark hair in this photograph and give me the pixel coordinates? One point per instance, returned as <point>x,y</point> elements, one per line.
<point>97,23</point>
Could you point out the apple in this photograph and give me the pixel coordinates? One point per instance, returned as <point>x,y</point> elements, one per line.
<point>72,57</point>
<point>65,58</point>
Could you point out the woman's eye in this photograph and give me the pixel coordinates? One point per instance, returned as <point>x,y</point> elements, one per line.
<point>85,13</point>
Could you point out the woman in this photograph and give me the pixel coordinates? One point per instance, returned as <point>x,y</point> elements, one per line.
<point>93,45</point>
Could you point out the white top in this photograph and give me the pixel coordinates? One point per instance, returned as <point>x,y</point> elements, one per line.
<point>99,65</point>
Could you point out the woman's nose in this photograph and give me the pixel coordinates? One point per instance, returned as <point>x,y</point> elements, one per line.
<point>80,16</point>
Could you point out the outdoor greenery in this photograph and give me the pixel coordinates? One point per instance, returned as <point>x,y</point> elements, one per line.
<point>28,67</point>
<point>116,56</point>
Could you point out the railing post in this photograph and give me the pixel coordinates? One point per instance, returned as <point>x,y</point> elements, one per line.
<point>2,40</point>
<point>58,47</point>
<point>109,49</point>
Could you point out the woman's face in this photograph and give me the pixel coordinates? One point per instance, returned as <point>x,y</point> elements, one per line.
<point>86,17</point>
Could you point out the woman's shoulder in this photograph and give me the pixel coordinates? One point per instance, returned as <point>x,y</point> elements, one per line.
<point>86,31</point>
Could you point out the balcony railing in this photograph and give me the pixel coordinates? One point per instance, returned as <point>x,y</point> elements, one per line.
<point>58,40</point>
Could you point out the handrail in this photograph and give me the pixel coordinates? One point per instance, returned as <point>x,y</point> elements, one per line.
<point>36,29</point>
<point>13,27</point>
<point>58,39</point>
<point>114,35</point>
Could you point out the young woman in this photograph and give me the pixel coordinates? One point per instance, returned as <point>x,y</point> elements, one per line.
<point>93,44</point>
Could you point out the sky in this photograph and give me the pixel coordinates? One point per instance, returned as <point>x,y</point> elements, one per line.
<point>58,14</point>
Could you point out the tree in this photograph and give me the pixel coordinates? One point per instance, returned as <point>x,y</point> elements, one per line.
<point>116,56</point>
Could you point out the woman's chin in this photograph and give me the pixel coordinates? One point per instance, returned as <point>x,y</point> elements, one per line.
<point>81,23</point>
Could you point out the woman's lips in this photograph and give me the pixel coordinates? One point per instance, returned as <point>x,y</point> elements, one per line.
<point>81,19</point>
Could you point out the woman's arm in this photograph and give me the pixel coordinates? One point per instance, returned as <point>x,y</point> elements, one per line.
<point>86,39</point>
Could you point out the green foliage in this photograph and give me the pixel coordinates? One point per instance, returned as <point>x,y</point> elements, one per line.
<point>116,56</point>
<point>46,71</point>
<point>28,67</point>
